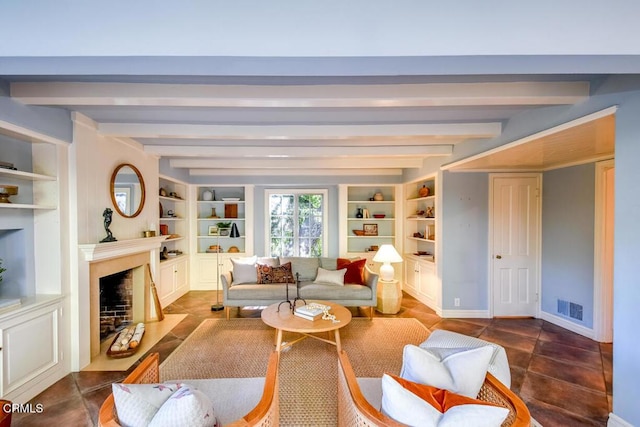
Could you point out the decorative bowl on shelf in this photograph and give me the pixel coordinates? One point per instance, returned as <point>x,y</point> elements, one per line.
<point>6,191</point>
<point>379,215</point>
<point>358,232</point>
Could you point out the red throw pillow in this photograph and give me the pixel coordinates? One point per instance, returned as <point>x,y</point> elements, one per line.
<point>355,270</point>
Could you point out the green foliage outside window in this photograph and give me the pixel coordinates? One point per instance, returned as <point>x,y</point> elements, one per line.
<point>296,224</point>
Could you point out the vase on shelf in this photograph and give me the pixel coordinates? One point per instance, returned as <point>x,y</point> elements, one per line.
<point>207,195</point>
<point>424,191</point>
<point>378,197</point>
<point>234,231</point>
<point>359,213</point>
<point>213,213</point>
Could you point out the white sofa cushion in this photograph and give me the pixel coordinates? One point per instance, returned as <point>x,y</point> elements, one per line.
<point>244,270</point>
<point>332,277</point>
<point>461,371</point>
<point>498,364</point>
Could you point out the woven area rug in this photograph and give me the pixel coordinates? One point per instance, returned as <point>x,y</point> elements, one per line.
<point>221,348</point>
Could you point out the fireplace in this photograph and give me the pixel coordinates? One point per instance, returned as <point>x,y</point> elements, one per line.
<point>140,257</point>
<point>136,267</point>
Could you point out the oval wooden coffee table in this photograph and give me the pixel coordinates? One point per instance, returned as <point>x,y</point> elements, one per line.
<point>285,320</point>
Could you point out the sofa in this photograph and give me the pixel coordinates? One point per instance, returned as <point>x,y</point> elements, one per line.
<point>258,405</point>
<point>310,278</point>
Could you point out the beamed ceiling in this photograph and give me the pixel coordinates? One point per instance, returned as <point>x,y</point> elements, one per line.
<point>304,127</point>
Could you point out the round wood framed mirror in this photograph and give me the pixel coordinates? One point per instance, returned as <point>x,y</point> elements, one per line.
<point>127,190</point>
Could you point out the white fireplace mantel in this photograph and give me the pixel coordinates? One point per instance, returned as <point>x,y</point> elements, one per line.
<point>102,251</point>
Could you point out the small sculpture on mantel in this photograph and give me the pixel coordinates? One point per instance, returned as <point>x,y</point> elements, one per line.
<point>107,214</point>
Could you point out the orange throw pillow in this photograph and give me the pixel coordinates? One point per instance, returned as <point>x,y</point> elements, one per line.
<point>355,270</point>
<point>441,399</point>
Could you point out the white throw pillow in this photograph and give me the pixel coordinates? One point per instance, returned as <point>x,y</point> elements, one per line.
<point>498,365</point>
<point>186,407</point>
<point>408,408</point>
<point>136,404</point>
<point>334,277</point>
<point>244,270</point>
<point>461,372</point>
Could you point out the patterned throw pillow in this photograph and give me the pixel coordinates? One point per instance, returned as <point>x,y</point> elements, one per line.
<point>186,407</point>
<point>355,270</point>
<point>136,404</point>
<point>280,274</point>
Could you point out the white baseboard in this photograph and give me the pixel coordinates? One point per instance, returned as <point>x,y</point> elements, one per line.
<point>566,324</point>
<point>468,314</point>
<point>616,421</point>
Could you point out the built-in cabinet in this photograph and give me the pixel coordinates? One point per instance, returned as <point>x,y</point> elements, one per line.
<point>174,263</point>
<point>174,280</point>
<point>173,215</point>
<point>421,240</point>
<point>369,217</point>
<point>420,280</point>
<point>222,228</point>
<point>37,277</point>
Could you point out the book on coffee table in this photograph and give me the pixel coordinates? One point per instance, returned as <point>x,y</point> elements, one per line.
<point>310,312</point>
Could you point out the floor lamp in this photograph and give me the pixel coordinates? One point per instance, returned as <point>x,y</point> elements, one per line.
<point>217,306</point>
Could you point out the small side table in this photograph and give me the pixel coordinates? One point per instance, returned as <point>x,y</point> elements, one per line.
<point>389,295</point>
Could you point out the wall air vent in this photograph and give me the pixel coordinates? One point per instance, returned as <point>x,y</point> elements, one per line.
<point>563,307</point>
<point>575,311</point>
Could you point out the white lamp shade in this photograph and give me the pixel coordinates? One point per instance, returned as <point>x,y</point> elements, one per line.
<point>387,253</point>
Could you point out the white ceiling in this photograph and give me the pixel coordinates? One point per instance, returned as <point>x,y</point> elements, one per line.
<point>299,126</point>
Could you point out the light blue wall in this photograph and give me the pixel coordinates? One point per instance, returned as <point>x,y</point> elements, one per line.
<point>16,225</point>
<point>465,247</point>
<point>626,291</point>
<point>568,199</point>
<point>55,122</point>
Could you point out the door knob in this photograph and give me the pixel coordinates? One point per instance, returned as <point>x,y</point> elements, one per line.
<point>499,256</point>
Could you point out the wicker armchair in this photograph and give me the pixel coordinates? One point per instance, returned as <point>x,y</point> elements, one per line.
<point>355,411</point>
<point>264,414</point>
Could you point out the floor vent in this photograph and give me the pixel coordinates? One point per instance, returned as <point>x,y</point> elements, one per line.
<point>563,307</point>
<point>575,311</point>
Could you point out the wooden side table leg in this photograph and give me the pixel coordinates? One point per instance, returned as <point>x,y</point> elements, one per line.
<point>278,340</point>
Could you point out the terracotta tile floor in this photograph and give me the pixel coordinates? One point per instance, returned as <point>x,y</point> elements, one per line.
<point>564,378</point>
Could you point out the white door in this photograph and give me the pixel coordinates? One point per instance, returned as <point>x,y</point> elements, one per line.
<point>515,243</point>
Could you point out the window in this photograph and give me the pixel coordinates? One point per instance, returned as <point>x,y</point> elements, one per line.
<point>296,222</point>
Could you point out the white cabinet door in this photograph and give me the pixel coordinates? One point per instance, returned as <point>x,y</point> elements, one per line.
<point>181,276</point>
<point>30,353</point>
<point>412,276</point>
<point>167,279</point>
<point>174,280</point>
<point>428,288</point>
